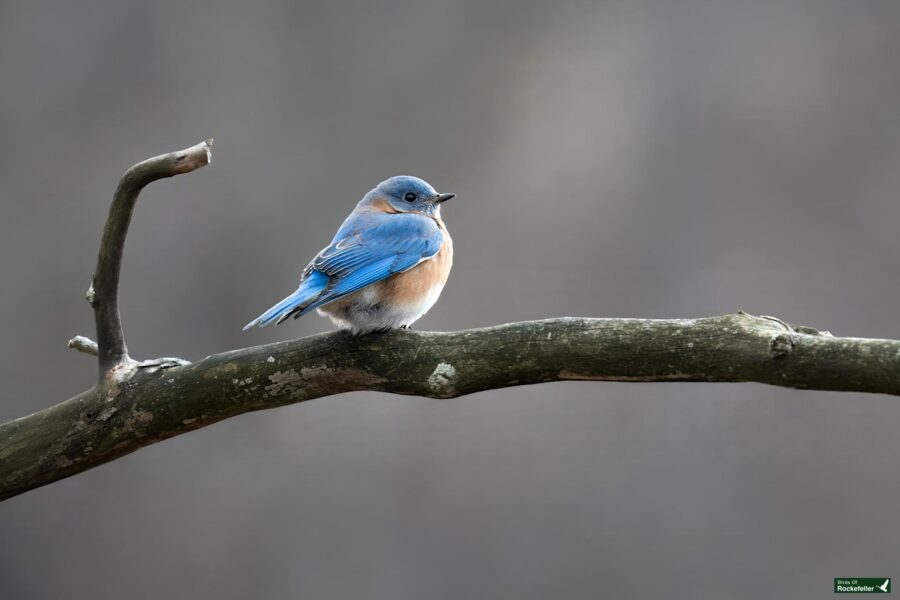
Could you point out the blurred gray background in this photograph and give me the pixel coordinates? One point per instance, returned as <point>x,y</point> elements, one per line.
<point>611,159</point>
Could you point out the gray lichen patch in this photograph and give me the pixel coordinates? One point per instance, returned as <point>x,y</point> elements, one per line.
<point>284,382</point>
<point>443,379</point>
<point>106,413</point>
<point>315,381</point>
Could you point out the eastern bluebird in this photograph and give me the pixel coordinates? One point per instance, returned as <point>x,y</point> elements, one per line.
<point>385,267</point>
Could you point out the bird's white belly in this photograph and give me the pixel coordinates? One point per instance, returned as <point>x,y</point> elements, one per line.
<point>368,310</point>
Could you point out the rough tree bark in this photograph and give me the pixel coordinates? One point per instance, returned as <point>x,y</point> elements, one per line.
<point>135,404</point>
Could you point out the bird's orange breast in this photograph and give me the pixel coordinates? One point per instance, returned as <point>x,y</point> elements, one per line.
<point>422,281</point>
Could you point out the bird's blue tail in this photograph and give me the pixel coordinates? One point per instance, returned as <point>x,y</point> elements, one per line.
<point>300,301</point>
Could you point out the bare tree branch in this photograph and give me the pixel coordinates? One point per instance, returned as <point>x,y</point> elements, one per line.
<point>135,404</point>
<point>83,344</point>
<point>104,291</point>
<point>145,404</point>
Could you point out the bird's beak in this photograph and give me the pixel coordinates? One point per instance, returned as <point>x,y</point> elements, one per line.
<point>442,198</point>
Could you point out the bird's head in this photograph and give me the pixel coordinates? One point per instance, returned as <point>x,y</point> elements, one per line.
<point>404,193</point>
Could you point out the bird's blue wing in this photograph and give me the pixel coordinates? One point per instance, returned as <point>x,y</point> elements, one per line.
<point>375,249</point>
<point>367,249</point>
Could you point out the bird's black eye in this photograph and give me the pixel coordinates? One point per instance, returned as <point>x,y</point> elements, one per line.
<point>410,197</point>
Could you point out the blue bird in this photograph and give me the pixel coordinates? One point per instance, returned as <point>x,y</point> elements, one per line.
<point>385,267</point>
